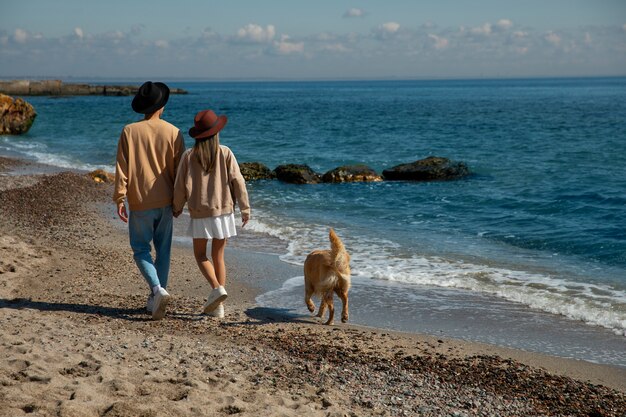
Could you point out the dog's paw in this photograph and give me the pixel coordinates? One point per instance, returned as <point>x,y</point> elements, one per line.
<point>344,319</point>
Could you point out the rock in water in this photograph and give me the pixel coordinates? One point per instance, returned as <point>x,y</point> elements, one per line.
<point>16,115</point>
<point>252,171</point>
<point>429,169</point>
<point>352,173</point>
<point>296,174</point>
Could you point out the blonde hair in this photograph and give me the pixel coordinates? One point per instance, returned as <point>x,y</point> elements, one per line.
<point>206,152</point>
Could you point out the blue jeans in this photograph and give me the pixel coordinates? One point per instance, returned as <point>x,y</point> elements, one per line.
<point>146,227</point>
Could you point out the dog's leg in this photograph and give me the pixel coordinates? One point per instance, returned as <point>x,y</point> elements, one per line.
<point>322,309</point>
<point>308,292</point>
<point>343,295</point>
<point>331,308</point>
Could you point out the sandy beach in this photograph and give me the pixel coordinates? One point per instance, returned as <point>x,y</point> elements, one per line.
<point>76,340</point>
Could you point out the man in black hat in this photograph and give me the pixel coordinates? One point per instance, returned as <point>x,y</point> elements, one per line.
<point>148,153</point>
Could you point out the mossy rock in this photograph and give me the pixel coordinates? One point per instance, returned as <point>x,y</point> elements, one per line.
<point>16,115</point>
<point>100,175</point>
<point>253,171</point>
<point>433,168</point>
<point>352,173</point>
<point>297,174</point>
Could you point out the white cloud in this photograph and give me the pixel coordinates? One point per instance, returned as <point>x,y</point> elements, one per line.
<point>482,30</point>
<point>438,41</point>
<point>285,46</point>
<point>20,35</point>
<point>588,40</point>
<point>519,34</point>
<point>325,37</point>
<point>115,36</point>
<point>522,50</point>
<point>390,27</point>
<point>552,38</point>
<point>354,13</point>
<point>386,31</point>
<point>504,24</point>
<point>161,44</point>
<point>79,33</point>
<point>624,27</point>
<point>256,33</point>
<point>334,47</point>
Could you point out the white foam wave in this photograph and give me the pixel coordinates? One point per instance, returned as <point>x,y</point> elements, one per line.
<point>265,298</point>
<point>64,162</point>
<point>383,259</point>
<point>39,152</point>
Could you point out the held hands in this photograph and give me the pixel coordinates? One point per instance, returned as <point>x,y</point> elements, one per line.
<point>244,219</point>
<point>121,212</point>
<point>176,213</point>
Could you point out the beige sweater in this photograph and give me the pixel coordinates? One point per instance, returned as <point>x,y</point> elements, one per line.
<point>148,154</point>
<point>211,194</point>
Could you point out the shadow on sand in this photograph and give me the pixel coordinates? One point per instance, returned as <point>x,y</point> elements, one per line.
<point>132,314</point>
<point>259,315</point>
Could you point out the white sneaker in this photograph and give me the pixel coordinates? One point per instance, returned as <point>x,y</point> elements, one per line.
<point>215,297</point>
<point>218,312</point>
<point>161,300</point>
<point>150,303</point>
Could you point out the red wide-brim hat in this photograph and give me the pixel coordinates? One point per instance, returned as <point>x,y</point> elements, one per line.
<point>207,124</point>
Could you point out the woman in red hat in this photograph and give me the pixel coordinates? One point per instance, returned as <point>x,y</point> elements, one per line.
<point>210,182</point>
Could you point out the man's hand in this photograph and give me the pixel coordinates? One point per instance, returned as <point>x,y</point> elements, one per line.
<point>121,212</point>
<point>244,219</point>
<point>176,213</point>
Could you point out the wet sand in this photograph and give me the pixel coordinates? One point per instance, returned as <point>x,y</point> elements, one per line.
<point>77,341</point>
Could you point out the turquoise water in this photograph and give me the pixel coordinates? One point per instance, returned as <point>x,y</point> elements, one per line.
<point>540,224</point>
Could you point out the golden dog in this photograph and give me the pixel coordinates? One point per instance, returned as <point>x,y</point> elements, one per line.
<point>325,272</point>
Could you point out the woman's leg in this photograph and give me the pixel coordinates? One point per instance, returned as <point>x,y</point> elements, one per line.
<point>217,254</point>
<point>199,251</point>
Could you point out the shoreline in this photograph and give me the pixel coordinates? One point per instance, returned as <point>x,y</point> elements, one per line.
<point>72,305</point>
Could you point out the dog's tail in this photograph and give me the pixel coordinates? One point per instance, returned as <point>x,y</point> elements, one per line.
<point>338,253</point>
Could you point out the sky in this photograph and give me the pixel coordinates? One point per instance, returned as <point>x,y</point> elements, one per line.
<point>302,40</point>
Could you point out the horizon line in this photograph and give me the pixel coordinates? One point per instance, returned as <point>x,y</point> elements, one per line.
<point>306,79</point>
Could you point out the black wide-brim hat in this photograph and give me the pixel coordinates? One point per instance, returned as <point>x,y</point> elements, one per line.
<point>150,97</point>
<point>207,124</point>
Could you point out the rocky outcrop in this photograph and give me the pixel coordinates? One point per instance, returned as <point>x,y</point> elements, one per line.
<point>58,88</point>
<point>297,174</point>
<point>16,115</point>
<point>352,173</point>
<point>253,171</point>
<point>432,168</point>
<point>100,175</point>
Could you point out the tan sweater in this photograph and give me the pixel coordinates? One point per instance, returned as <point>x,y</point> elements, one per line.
<point>148,154</point>
<point>211,194</point>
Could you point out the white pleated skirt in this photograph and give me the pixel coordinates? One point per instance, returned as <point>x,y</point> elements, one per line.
<point>217,227</point>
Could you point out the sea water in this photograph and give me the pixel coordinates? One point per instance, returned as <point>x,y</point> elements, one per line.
<point>528,251</point>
